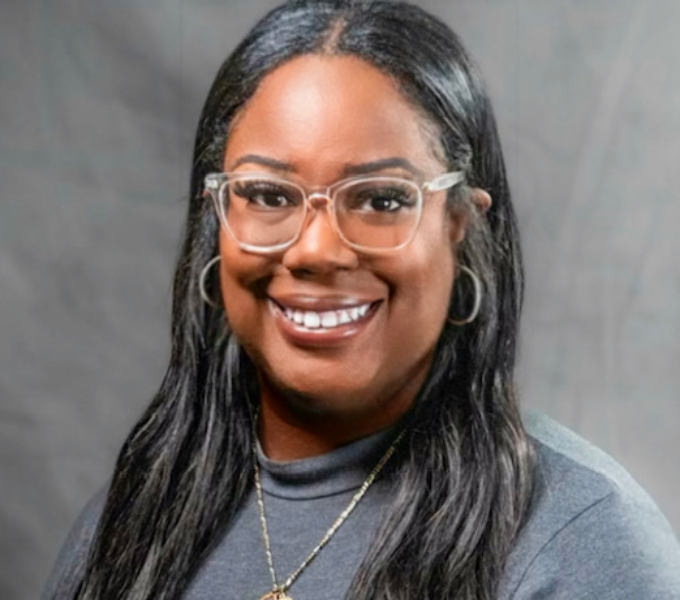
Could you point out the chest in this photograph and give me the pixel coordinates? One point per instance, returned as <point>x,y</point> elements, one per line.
<point>237,568</point>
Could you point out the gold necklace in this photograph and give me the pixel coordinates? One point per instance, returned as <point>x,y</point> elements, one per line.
<point>278,592</point>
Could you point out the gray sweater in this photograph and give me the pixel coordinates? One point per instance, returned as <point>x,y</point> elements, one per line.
<point>593,532</point>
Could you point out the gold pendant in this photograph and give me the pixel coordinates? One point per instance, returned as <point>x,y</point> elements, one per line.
<point>276,595</point>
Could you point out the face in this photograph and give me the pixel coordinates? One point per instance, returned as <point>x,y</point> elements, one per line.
<point>314,120</point>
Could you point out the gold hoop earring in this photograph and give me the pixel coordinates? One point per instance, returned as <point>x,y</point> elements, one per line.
<point>201,283</point>
<point>477,285</point>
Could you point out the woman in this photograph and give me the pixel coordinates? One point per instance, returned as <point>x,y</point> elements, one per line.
<point>339,417</point>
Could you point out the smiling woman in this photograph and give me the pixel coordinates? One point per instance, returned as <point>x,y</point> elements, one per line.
<point>372,249</point>
<point>338,418</point>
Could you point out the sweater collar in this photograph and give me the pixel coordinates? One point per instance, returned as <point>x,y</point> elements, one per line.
<point>335,472</point>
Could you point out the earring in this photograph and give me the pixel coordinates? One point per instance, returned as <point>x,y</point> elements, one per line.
<point>478,297</point>
<point>201,282</point>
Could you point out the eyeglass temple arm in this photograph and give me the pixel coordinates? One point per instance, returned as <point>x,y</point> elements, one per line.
<point>444,182</point>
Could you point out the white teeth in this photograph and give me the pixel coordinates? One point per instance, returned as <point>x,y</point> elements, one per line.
<point>312,320</point>
<point>329,319</point>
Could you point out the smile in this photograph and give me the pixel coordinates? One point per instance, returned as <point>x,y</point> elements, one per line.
<point>312,320</point>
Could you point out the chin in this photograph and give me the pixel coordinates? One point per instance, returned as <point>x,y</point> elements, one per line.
<point>331,400</point>
<point>335,402</point>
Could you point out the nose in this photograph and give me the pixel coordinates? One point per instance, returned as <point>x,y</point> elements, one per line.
<point>319,249</point>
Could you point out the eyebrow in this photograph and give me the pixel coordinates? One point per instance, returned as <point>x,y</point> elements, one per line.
<point>348,170</point>
<point>379,165</point>
<point>272,163</point>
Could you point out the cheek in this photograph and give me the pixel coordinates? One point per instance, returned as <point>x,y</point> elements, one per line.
<point>426,280</point>
<point>241,280</point>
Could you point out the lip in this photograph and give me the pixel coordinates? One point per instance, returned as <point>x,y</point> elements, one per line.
<point>299,335</point>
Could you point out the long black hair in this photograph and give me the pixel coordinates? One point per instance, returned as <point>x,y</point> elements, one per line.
<point>464,472</point>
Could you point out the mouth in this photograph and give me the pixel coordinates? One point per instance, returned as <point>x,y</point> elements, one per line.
<point>330,324</point>
<point>327,319</point>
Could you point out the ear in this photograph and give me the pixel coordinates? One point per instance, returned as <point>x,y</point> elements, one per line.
<point>460,216</point>
<point>481,199</point>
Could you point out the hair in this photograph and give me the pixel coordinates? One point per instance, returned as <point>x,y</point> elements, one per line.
<point>464,472</point>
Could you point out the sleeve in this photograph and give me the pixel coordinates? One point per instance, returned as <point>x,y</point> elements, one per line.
<point>615,549</point>
<point>72,558</point>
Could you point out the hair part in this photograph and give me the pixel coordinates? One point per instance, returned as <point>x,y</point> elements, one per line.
<point>463,476</point>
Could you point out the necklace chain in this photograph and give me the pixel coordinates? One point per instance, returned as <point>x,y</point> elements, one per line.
<point>278,591</point>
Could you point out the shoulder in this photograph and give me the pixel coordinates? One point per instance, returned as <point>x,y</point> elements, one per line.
<point>592,531</point>
<point>69,566</point>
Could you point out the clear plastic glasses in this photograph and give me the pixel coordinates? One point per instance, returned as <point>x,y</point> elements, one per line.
<point>264,213</point>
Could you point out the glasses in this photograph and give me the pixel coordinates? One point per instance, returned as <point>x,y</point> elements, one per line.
<point>266,214</point>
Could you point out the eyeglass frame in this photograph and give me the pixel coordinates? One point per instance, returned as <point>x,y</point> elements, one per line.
<point>214,181</point>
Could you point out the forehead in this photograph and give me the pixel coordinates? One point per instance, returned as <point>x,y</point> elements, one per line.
<point>318,113</point>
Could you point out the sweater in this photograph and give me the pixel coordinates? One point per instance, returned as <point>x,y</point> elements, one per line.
<point>592,531</point>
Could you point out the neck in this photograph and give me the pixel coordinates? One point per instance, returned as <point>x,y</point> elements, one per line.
<point>290,430</point>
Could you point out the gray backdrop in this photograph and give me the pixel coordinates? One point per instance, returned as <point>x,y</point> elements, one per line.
<point>98,102</point>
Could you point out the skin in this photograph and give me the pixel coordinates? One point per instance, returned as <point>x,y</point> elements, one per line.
<point>317,116</point>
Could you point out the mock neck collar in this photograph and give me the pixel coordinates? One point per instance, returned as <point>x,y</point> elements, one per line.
<point>335,472</point>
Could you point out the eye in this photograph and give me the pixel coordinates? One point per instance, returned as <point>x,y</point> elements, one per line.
<point>265,195</point>
<point>383,199</point>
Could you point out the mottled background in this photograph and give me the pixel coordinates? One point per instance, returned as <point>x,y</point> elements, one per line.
<point>98,103</point>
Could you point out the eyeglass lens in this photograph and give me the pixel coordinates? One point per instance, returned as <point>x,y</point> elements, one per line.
<point>377,213</point>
